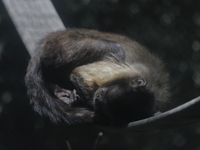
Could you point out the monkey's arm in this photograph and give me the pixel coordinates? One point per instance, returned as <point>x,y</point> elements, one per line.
<point>63,51</point>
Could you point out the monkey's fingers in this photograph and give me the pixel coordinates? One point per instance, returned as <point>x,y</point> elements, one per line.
<point>74,97</point>
<point>60,92</point>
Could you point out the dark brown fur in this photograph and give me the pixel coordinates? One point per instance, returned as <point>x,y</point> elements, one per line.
<point>84,76</point>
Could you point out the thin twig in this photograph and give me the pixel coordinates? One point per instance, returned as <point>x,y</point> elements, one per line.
<point>98,139</point>
<point>68,145</point>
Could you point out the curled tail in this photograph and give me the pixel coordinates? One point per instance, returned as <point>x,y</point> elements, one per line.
<point>46,104</point>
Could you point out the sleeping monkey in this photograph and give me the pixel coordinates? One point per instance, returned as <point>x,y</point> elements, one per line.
<point>82,76</point>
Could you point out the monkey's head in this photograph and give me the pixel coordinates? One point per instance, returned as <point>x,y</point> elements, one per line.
<point>117,92</point>
<point>123,102</point>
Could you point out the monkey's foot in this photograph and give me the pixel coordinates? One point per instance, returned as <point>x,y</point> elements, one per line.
<point>67,96</point>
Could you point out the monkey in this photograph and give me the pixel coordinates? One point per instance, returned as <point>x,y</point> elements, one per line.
<point>82,76</point>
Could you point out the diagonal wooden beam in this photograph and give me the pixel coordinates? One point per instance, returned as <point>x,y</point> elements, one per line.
<point>33,20</point>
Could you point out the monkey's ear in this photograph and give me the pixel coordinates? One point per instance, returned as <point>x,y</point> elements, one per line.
<point>139,82</point>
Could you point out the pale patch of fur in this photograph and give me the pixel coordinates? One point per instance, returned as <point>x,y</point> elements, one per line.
<point>104,72</point>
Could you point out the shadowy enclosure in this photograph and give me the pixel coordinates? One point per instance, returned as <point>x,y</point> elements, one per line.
<point>170,29</point>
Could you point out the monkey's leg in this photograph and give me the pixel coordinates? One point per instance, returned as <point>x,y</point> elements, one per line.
<point>72,49</point>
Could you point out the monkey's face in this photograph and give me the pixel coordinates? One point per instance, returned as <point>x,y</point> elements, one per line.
<point>123,102</point>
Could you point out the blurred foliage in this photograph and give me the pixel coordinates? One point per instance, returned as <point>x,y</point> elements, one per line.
<point>170,29</point>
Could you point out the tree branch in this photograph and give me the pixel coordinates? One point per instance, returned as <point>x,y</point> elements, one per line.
<point>188,113</point>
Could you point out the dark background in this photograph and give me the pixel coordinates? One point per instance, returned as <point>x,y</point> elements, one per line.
<point>171,29</point>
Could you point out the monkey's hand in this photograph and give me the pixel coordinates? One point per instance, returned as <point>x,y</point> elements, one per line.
<point>69,97</point>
